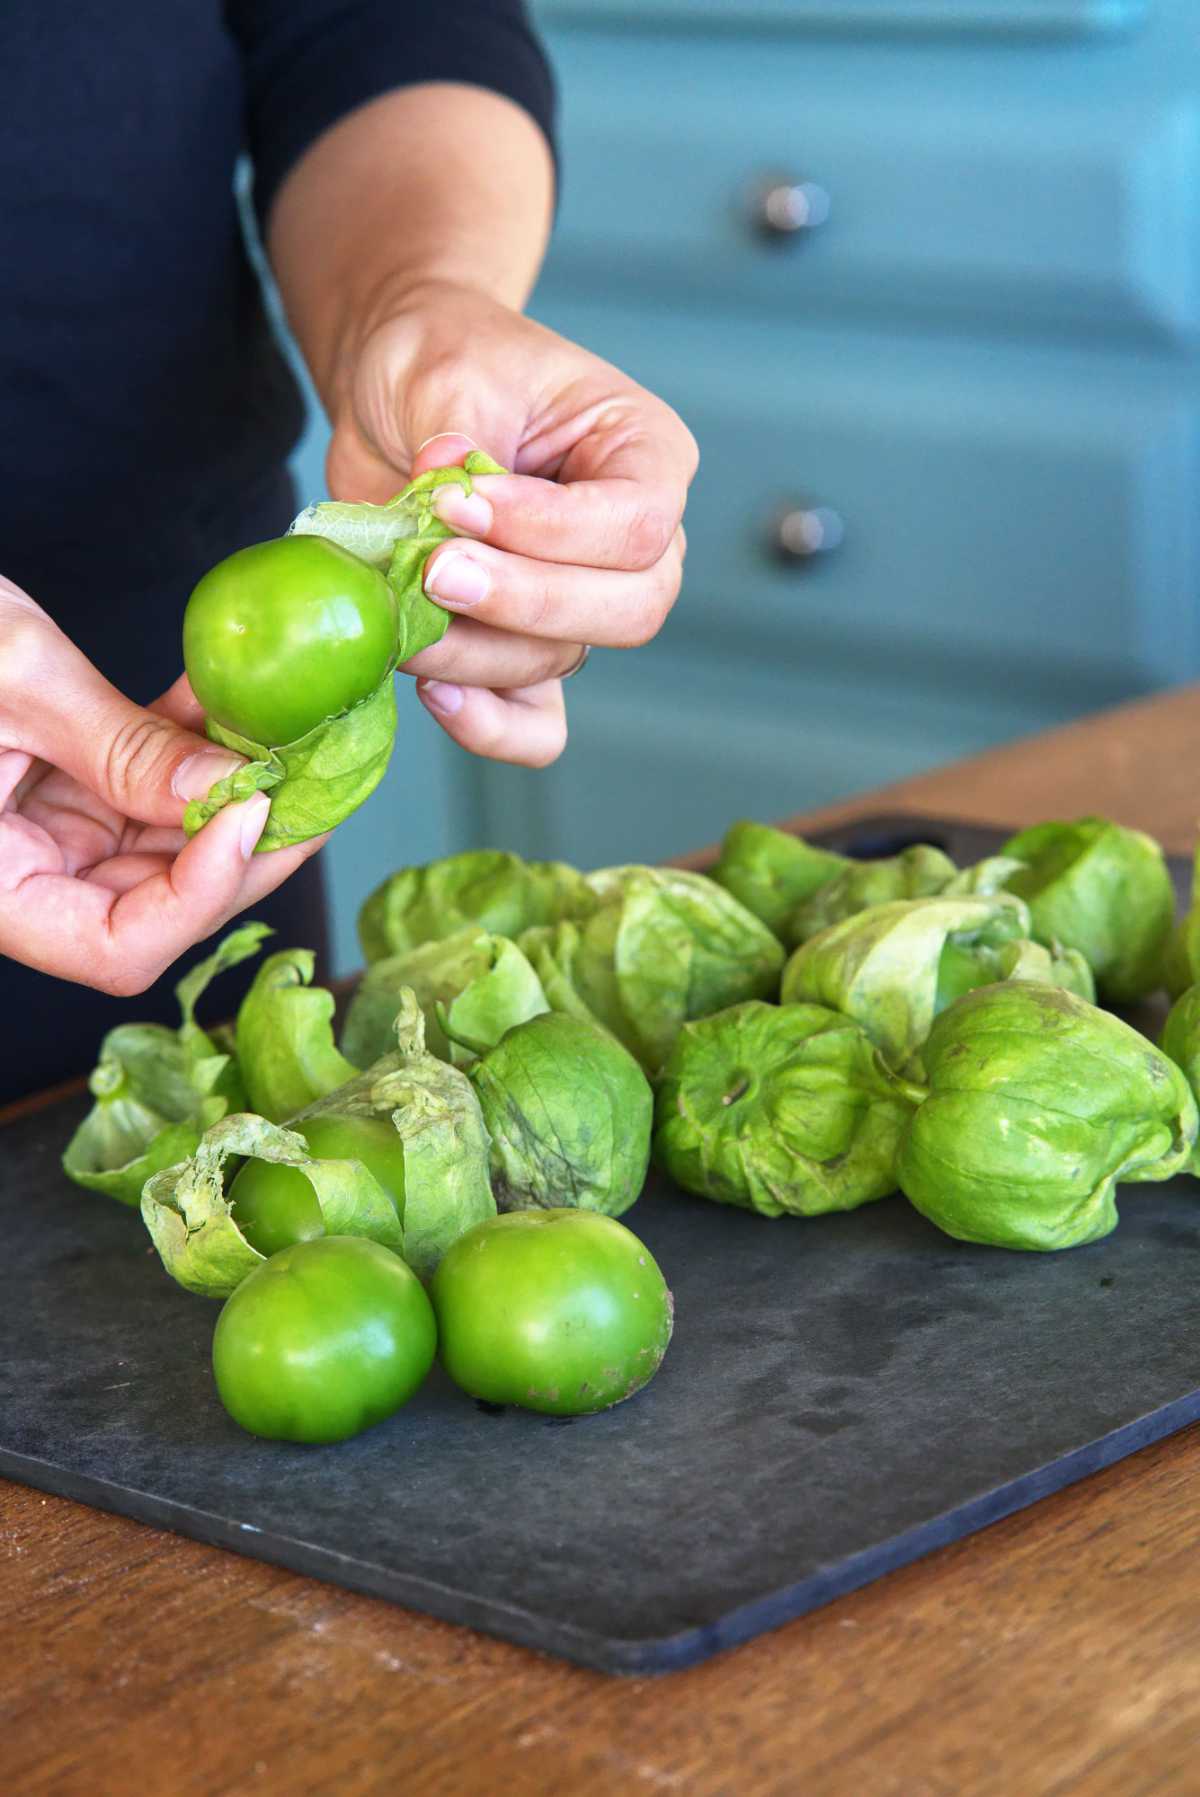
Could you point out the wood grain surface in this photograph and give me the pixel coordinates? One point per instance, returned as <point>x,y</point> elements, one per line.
<point>1056,1652</point>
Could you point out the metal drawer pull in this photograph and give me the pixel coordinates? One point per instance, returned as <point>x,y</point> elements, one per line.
<point>800,533</point>
<point>783,208</point>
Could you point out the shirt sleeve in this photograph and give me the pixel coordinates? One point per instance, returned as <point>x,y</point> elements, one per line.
<point>310,62</point>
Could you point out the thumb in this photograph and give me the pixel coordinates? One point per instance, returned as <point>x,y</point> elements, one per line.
<point>55,705</point>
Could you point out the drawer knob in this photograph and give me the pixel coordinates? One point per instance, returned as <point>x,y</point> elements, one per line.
<point>782,208</point>
<point>801,533</point>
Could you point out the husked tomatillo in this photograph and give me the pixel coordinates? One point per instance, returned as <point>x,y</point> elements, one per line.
<point>783,1109</point>
<point>569,1112</point>
<point>1039,1105</point>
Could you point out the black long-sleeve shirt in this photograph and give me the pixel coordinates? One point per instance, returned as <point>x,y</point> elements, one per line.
<point>144,404</point>
<point>146,414</point>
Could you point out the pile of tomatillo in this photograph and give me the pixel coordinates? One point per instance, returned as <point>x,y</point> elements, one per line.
<point>351,1219</point>
<point>439,1172</point>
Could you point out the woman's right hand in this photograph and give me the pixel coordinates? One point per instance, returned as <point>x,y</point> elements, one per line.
<point>98,883</point>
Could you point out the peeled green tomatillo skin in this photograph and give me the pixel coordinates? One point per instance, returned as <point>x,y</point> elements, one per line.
<point>285,1038</point>
<point>275,1206</point>
<point>1039,1105</point>
<point>283,635</point>
<point>659,947</point>
<point>156,1089</point>
<point>962,969</point>
<point>485,888</point>
<point>398,538</point>
<point>781,1109</point>
<point>435,1115</point>
<point>314,783</point>
<point>882,966</point>
<point>981,879</point>
<point>322,1341</point>
<point>771,871</point>
<point>193,1224</point>
<point>569,1112</point>
<point>559,1311</point>
<point>921,871</point>
<point>471,987</point>
<point>1105,890</point>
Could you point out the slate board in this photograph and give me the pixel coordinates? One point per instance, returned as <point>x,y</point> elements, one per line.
<point>842,1396</point>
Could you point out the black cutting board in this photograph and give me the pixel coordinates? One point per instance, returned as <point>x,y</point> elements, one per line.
<point>842,1395</point>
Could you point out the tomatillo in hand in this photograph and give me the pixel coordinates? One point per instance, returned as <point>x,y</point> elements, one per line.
<point>285,634</point>
<point>323,1340</point>
<point>274,1206</point>
<point>561,1311</point>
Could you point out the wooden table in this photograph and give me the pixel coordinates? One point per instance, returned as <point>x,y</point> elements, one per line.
<point>1056,1652</point>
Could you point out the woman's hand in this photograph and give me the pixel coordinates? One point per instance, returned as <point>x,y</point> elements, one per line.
<point>405,242</point>
<point>581,545</point>
<point>97,881</point>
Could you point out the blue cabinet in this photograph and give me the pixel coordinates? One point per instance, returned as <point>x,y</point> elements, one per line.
<point>949,18</point>
<point>923,276</point>
<point>932,187</point>
<point>924,279</point>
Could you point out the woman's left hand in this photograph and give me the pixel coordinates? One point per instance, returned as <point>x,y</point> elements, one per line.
<point>582,544</point>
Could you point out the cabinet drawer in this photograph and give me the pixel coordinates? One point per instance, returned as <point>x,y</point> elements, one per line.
<point>1005,516</point>
<point>1005,18</point>
<point>816,181</point>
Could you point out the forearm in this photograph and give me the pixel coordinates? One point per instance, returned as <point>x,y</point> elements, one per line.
<point>429,185</point>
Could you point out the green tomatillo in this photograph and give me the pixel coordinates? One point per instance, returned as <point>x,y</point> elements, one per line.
<point>884,966</point>
<point>322,1341</point>
<point>1038,1105</point>
<point>772,871</point>
<point>961,968</point>
<point>781,1109</point>
<point>285,1038</point>
<point>290,647</point>
<point>1180,1040</point>
<point>489,889</point>
<point>569,1112</point>
<point>560,1311</point>
<point>1181,957</point>
<point>919,871</point>
<point>658,947</point>
<point>284,635</point>
<point>156,1090</point>
<point>435,1116</point>
<point>285,1191</point>
<point>471,987</point>
<point>1103,889</point>
<point>275,1205</point>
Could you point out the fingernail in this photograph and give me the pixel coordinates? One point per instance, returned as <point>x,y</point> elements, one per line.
<point>254,821</point>
<point>463,511</point>
<point>441,696</point>
<point>438,435</point>
<point>195,776</point>
<point>457,579</point>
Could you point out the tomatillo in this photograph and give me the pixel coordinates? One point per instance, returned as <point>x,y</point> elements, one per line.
<point>323,1340</point>
<point>285,634</point>
<point>561,1311</point>
<point>274,1205</point>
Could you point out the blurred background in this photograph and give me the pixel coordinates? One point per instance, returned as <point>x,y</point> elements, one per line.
<point>923,277</point>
